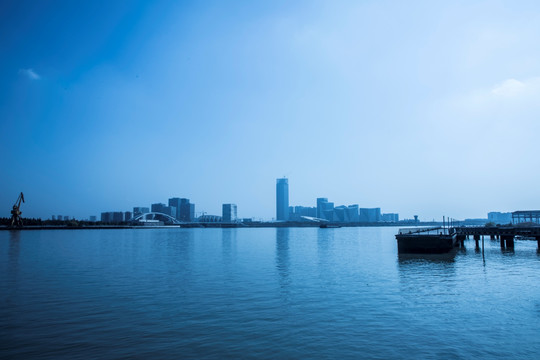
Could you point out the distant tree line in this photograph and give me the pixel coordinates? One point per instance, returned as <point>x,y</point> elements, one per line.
<point>71,223</point>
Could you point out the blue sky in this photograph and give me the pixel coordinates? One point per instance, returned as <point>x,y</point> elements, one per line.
<point>420,107</point>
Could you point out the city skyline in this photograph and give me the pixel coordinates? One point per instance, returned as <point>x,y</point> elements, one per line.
<point>419,107</point>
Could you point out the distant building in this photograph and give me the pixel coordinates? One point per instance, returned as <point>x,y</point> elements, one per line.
<point>370,215</point>
<point>328,211</point>
<point>325,210</point>
<point>175,202</point>
<point>500,217</point>
<point>185,211</point>
<point>340,213</point>
<point>526,216</point>
<point>320,206</point>
<point>53,217</point>
<point>391,217</point>
<point>140,210</point>
<point>127,216</point>
<point>66,218</point>
<point>282,199</point>
<point>210,219</point>
<point>164,209</point>
<point>112,217</point>
<point>59,217</point>
<point>117,216</point>
<point>353,214</point>
<point>296,213</point>
<point>93,218</point>
<point>106,217</point>
<point>158,207</point>
<point>229,212</point>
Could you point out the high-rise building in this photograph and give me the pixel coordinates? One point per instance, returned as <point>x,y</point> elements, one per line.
<point>164,209</point>
<point>127,216</point>
<point>229,213</point>
<point>353,213</point>
<point>282,199</point>
<point>117,216</point>
<point>184,210</point>
<point>158,207</point>
<point>93,218</point>
<point>320,207</point>
<point>106,217</point>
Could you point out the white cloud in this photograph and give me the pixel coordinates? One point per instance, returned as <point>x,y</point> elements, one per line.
<point>30,73</point>
<point>510,87</point>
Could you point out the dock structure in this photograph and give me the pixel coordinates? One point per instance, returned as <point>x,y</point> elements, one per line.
<point>444,239</point>
<point>506,234</point>
<point>434,240</point>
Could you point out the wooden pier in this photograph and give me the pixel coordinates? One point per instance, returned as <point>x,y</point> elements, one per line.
<point>444,239</point>
<point>506,234</point>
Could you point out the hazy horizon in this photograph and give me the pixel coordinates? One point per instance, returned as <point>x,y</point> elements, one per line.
<point>419,108</point>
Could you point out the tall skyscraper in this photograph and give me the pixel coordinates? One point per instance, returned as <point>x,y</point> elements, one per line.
<point>185,211</point>
<point>282,199</point>
<point>229,213</point>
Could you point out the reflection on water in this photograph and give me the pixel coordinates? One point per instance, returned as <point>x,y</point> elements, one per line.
<point>14,250</point>
<point>262,293</point>
<point>422,259</point>
<point>228,245</point>
<point>282,256</point>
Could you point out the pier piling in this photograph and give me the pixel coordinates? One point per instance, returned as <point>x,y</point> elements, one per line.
<point>509,239</point>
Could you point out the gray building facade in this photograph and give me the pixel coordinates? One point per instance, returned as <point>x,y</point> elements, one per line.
<point>282,199</point>
<point>229,213</point>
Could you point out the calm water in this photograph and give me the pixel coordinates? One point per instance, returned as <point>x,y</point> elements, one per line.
<point>262,293</point>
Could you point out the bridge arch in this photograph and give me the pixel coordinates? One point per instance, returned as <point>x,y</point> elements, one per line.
<point>167,219</point>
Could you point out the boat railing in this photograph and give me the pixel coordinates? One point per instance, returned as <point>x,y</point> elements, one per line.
<point>406,231</point>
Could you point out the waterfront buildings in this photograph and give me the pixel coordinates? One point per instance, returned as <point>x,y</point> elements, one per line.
<point>185,211</point>
<point>524,216</point>
<point>112,217</point>
<point>164,209</point>
<point>390,217</point>
<point>325,209</point>
<point>500,217</point>
<point>370,215</point>
<point>210,219</point>
<point>297,212</point>
<point>320,206</point>
<point>282,199</point>
<point>229,213</point>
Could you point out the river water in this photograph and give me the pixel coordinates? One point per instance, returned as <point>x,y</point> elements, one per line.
<point>262,293</point>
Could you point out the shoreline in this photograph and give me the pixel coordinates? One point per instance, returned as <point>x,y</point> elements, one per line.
<point>215,225</point>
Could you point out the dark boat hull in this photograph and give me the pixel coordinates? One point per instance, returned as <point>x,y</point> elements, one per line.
<point>425,244</point>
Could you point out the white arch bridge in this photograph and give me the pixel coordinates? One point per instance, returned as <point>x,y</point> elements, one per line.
<point>154,217</point>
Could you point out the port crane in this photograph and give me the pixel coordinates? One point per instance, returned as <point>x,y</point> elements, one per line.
<point>16,219</point>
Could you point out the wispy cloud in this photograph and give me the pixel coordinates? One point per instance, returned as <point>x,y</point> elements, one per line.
<point>510,87</point>
<point>30,73</point>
